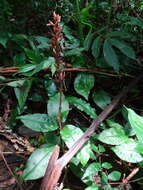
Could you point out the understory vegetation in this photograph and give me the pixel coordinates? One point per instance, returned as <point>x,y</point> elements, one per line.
<point>62,62</point>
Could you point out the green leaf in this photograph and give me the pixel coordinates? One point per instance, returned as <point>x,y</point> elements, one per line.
<point>92,187</point>
<point>106,165</point>
<point>26,68</point>
<point>136,123</point>
<point>22,93</point>
<point>3,41</point>
<point>101,98</point>
<point>50,87</point>
<point>76,51</point>
<point>83,106</point>
<point>83,84</point>
<point>128,152</point>
<point>104,178</point>
<point>120,34</point>
<point>37,163</point>
<point>70,134</point>
<point>101,148</point>
<point>114,176</point>
<point>43,42</point>
<point>50,62</point>
<point>88,40</point>
<point>39,122</point>
<point>124,48</point>
<point>96,47</point>
<point>91,170</point>
<point>113,136</point>
<point>17,83</point>
<point>110,55</point>
<point>53,106</point>
<point>34,56</point>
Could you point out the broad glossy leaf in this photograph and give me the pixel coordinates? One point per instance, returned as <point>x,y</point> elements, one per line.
<point>96,47</point>
<point>83,84</point>
<point>83,106</point>
<point>114,176</point>
<point>136,123</point>
<point>128,152</point>
<point>70,134</point>
<point>101,98</point>
<point>37,163</point>
<point>110,55</point>
<point>124,48</point>
<point>113,136</point>
<point>53,106</point>
<point>39,122</point>
<point>22,93</point>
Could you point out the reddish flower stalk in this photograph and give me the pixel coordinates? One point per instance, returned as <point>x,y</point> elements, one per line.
<point>57,37</point>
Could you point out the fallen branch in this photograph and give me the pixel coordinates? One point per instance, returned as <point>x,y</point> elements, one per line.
<point>56,166</point>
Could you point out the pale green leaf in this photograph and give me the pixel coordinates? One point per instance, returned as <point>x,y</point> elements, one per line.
<point>127,152</point>
<point>37,163</point>
<point>83,84</point>
<point>113,136</point>
<point>70,134</point>
<point>114,176</point>
<point>106,165</point>
<point>136,123</point>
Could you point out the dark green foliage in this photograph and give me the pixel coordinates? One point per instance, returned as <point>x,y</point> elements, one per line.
<point>103,38</point>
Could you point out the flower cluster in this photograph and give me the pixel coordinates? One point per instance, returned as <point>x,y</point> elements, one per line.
<point>57,37</point>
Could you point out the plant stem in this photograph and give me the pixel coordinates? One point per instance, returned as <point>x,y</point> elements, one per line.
<point>109,15</point>
<point>79,22</point>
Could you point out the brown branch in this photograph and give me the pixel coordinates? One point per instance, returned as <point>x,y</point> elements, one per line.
<point>55,173</point>
<point>131,175</point>
<point>127,179</point>
<point>13,70</point>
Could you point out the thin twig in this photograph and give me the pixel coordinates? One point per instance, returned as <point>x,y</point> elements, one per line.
<point>10,171</point>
